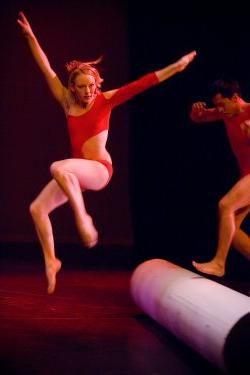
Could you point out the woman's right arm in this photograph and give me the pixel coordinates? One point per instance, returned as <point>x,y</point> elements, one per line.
<point>55,85</point>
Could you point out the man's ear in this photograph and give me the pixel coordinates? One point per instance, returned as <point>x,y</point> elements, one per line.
<point>72,88</point>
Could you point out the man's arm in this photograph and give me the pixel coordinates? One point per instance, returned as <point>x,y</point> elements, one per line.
<point>199,113</point>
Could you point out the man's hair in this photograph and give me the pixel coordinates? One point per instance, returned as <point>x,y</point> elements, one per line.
<point>226,87</point>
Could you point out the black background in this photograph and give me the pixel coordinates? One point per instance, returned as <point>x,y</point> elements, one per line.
<point>176,170</point>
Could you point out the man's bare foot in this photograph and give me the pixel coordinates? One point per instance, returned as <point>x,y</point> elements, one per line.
<point>185,60</point>
<point>211,268</point>
<point>52,267</point>
<point>88,232</point>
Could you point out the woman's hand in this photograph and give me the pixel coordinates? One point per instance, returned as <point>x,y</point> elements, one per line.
<point>185,60</point>
<point>24,23</point>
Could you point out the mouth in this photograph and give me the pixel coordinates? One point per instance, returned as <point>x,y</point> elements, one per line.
<point>87,98</point>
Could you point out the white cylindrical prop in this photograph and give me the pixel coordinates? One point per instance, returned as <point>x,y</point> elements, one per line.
<point>212,319</point>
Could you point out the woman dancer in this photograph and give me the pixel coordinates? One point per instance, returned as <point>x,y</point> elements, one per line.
<point>87,110</point>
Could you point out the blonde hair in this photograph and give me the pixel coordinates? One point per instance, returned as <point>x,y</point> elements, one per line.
<point>76,67</point>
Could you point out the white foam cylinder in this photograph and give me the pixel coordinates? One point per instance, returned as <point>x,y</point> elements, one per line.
<point>198,311</point>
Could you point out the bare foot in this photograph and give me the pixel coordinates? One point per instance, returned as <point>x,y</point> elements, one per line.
<point>211,268</point>
<point>185,60</point>
<point>52,267</point>
<point>88,233</point>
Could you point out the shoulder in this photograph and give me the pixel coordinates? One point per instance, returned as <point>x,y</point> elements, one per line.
<point>108,94</point>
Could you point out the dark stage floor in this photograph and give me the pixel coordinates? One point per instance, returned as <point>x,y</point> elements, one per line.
<point>90,325</point>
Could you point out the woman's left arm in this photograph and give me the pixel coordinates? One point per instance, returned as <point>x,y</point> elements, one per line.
<point>176,67</point>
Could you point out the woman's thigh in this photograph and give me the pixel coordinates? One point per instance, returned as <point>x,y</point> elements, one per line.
<point>91,174</point>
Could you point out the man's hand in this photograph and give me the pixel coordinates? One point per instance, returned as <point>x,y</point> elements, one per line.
<point>245,127</point>
<point>199,108</point>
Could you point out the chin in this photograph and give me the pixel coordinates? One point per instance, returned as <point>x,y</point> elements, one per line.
<point>88,101</point>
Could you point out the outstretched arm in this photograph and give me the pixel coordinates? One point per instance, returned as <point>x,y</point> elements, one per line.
<point>176,67</point>
<point>55,85</point>
<point>126,92</point>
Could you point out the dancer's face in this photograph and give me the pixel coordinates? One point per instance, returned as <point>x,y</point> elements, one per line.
<point>229,107</point>
<point>85,88</point>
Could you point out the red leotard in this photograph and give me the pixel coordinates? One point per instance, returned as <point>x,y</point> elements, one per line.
<point>96,120</point>
<point>239,142</point>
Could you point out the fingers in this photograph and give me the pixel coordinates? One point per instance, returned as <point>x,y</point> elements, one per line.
<point>22,19</point>
<point>198,106</point>
<point>247,123</point>
<point>22,15</point>
<point>185,60</point>
<point>24,23</point>
<point>245,127</point>
<point>191,55</point>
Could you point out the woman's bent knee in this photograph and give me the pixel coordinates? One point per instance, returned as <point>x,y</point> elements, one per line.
<point>35,209</point>
<point>224,204</point>
<point>55,168</point>
<point>58,170</point>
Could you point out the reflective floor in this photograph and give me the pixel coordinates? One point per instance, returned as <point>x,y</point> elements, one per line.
<point>90,325</point>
